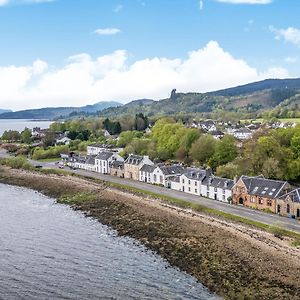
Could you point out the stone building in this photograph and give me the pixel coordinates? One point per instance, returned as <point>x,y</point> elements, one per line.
<point>258,192</point>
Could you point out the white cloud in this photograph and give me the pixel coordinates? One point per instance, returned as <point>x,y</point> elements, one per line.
<point>290,59</point>
<point>246,1</point>
<point>84,80</point>
<point>118,8</point>
<point>290,34</point>
<point>201,4</point>
<point>107,31</point>
<point>7,2</point>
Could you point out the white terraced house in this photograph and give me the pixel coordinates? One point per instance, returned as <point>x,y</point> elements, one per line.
<point>162,173</point>
<point>217,188</point>
<point>104,159</point>
<point>146,173</point>
<point>190,180</point>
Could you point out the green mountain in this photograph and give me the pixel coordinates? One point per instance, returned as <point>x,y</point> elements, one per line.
<point>51,113</point>
<point>251,98</point>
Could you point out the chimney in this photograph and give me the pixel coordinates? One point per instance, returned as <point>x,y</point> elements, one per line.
<point>235,179</point>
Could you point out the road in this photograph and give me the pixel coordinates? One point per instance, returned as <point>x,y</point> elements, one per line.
<point>255,215</point>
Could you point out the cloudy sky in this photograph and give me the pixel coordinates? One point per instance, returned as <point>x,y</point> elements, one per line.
<point>78,52</point>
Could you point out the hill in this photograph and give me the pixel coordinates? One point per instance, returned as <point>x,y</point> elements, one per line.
<point>253,98</point>
<point>50,113</point>
<point>4,111</point>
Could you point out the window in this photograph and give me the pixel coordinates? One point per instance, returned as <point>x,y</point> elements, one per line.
<point>223,197</point>
<point>261,201</point>
<point>215,189</point>
<point>195,183</point>
<point>252,199</point>
<point>161,179</point>
<point>196,191</point>
<point>269,202</point>
<point>288,209</point>
<point>223,191</point>
<point>154,177</point>
<point>189,182</point>
<point>182,180</point>
<point>189,189</point>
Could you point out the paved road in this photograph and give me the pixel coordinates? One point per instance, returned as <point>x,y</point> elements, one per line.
<point>244,212</point>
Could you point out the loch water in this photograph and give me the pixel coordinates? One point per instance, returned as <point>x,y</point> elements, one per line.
<point>49,251</point>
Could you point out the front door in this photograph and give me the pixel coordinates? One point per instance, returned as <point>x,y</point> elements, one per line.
<point>298,213</point>
<point>241,201</point>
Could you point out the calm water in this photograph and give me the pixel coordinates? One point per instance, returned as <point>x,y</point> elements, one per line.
<point>48,251</point>
<point>20,125</point>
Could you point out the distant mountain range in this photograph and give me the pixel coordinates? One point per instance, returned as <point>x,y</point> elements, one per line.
<point>4,111</point>
<point>50,113</point>
<point>250,98</point>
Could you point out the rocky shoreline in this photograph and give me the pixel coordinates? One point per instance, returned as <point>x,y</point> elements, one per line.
<point>234,261</point>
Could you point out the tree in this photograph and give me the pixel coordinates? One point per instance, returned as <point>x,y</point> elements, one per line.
<point>229,170</point>
<point>203,149</point>
<point>26,136</point>
<point>11,136</point>
<point>226,151</point>
<point>141,122</point>
<point>49,139</point>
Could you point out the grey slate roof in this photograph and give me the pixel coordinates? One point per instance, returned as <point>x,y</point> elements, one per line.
<point>174,178</point>
<point>195,173</point>
<point>217,133</point>
<point>117,164</point>
<point>90,160</point>
<point>147,168</point>
<point>172,170</point>
<point>100,146</point>
<point>243,130</point>
<point>295,195</point>
<point>218,182</point>
<point>105,155</point>
<point>134,159</point>
<point>263,187</point>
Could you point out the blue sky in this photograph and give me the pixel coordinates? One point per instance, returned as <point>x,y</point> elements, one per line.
<point>50,50</point>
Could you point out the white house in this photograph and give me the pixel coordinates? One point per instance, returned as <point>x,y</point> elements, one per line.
<point>242,134</point>
<point>63,141</point>
<point>162,173</point>
<point>103,160</point>
<point>90,164</point>
<point>146,173</point>
<point>174,183</point>
<point>95,149</point>
<point>217,188</point>
<point>208,125</point>
<point>190,180</point>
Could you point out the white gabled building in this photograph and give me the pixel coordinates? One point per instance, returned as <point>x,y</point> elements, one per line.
<point>208,125</point>
<point>95,149</point>
<point>63,141</point>
<point>104,159</point>
<point>190,180</point>
<point>146,173</point>
<point>217,188</point>
<point>162,173</point>
<point>242,134</point>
